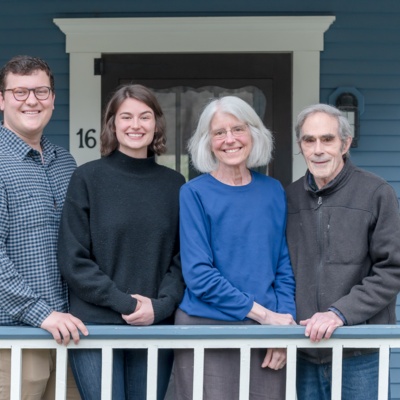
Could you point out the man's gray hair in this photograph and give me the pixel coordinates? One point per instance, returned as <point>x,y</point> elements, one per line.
<point>200,144</point>
<point>343,123</point>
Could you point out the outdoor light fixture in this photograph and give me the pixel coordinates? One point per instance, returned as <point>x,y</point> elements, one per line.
<point>347,103</point>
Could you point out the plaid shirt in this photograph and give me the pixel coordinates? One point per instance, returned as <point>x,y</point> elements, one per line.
<point>32,194</point>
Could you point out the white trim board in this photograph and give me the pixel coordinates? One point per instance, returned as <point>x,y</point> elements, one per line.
<point>88,38</point>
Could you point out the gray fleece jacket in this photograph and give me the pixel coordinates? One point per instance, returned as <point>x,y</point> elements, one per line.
<point>344,244</point>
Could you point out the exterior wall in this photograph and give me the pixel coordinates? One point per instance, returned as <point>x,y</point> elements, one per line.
<point>361,50</point>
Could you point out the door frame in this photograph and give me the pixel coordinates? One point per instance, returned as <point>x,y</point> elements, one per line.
<point>88,38</point>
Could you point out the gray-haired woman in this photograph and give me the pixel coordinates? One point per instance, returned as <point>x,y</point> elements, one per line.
<point>234,254</point>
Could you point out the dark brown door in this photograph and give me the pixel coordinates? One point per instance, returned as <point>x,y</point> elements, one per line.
<point>184,83</point>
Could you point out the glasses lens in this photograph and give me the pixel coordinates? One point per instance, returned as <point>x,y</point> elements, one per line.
<point>21,93</point>
<point>219,134</point>
<point>238,130</point>
<point>42,93</point>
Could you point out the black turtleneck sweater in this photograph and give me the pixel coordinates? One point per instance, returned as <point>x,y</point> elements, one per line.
<point>119,236</point>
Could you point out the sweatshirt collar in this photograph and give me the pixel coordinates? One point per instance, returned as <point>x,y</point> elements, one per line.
<point>335,184</point>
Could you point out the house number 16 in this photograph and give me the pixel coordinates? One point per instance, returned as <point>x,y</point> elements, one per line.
<point>87,139</point>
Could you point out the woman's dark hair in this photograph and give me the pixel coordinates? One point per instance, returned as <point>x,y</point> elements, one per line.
<point>24,65</point>
<point>108,139</point>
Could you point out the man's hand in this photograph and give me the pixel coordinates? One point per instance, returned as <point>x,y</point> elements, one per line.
<point>143,314</point>
<point>274,359</point>
<point>62,326</point>
<point>321,325</point>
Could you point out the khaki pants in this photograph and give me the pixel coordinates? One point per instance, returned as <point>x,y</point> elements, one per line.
<point>38,375</point>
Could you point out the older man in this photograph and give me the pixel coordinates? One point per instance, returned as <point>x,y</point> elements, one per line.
<point>34,176</point>
<point>343,233</point>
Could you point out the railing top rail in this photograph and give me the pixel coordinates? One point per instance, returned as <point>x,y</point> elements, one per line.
<point>102,332</point>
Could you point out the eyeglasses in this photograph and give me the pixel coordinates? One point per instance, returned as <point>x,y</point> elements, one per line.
<point>236,131</point>
<point>21,93</point>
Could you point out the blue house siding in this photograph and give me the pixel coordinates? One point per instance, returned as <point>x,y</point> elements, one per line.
<point>362,49</point>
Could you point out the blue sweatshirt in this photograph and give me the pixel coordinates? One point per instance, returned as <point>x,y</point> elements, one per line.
<point>233,248</point>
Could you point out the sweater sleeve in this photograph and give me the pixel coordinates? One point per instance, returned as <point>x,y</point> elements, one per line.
<point>172,286</point>
<point>170,292</point>
<point>81,272</point>
<point>284,280</point>
<point>202,278</point>
<point>382,285</point>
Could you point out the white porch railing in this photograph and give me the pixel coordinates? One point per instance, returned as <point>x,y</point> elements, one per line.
<point>199,338</point>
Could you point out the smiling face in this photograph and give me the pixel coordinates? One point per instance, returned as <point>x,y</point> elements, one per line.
<point>135,124</point>
<point>27,118</point>
<point>322,147</point>
<point>232,149</point>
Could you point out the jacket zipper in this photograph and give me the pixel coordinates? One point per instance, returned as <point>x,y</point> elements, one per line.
<point>320,235</point>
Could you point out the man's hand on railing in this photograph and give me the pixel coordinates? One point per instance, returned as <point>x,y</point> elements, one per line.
<point>321,325</point>
<point>275,359</point>
<point>143,314</point>
<point>63,326</point>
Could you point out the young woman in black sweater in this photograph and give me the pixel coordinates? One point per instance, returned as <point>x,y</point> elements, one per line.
<point>118,242</point>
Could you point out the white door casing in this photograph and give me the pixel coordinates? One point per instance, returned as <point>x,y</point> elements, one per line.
<point>88,38</point>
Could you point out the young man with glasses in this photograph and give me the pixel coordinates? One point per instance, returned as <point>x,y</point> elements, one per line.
<point>34,176</point>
